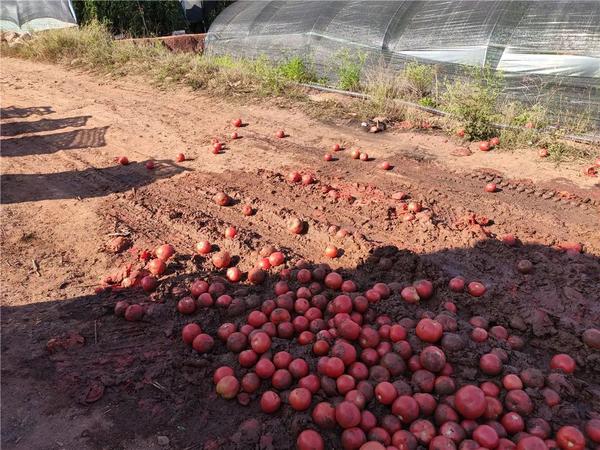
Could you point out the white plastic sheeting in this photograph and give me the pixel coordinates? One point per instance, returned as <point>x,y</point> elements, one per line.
<point>28,16</point>
<point>550,47</point>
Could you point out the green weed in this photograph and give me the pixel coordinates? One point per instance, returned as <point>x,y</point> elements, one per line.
<point>473,99</point>
<point>348,69</point>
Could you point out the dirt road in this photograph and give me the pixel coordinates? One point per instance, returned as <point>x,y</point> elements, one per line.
<point>64,197</point>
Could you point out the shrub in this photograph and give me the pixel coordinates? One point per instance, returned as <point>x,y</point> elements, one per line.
<point>91,45</point>
<point>473,100</point>
<point>418,80</point>
<point>295,69</point>
<point>348,70</point>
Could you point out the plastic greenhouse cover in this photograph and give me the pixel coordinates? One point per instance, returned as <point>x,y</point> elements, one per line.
<point>544,48</point>
<point>23,16</point>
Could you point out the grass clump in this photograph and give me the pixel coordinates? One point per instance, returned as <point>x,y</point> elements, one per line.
<point>91,45</point>
<point>418,82</point>
<point>348,69</point>
<point>473,99</point>
<point>560,151</point>
<point>382,86</point>
<point>385,86</point>
<point>93,48</point>
<point>295,69</point>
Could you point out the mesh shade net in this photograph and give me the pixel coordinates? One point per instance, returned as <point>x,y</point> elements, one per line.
<point>548,50</point>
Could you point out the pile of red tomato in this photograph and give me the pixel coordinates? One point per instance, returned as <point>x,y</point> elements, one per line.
<point>363,363</point>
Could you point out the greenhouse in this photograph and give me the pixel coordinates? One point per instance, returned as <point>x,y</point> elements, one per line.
<point>549,49</point>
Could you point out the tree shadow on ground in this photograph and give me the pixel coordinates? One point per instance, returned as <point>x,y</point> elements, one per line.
<point>91,182</point>
<point>52,143</point>
<point>142,369</point>
<point>16,128</point>
<point>13,112</point>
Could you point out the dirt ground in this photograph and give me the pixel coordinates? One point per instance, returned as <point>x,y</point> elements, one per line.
<point>64,197</point>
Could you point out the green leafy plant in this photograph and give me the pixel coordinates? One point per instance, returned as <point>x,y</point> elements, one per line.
<point>295,69</point>
<point>473,99</point>
<point>418,80</point>
<point>348,70</point>
<point>428,102</point>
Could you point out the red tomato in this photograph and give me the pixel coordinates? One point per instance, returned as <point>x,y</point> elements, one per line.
<point>310,440</point>
<point>331,251</point>
<point>230,232</point>
<point>203,247</point>
<point>570,438</point>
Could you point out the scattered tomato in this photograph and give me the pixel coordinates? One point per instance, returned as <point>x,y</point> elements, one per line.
<point>331,251</point>
<point>563,362</point>
<point>491,187</point>
<point>203,247</point>
<point>247,210</point>
<point>230,232</point>
<point>234,274</point>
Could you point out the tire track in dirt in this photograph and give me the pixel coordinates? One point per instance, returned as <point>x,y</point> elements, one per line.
<point>556,302</point>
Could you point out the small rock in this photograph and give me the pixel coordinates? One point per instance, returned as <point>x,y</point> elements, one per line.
<point>461,151</point>
<point>525,266</point>
<point>163,441</point>
<point>118,244</point>
<point>518,323</point>
<point>591,338</point>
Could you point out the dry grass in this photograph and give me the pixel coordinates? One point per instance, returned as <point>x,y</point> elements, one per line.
<point>473,100</point>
